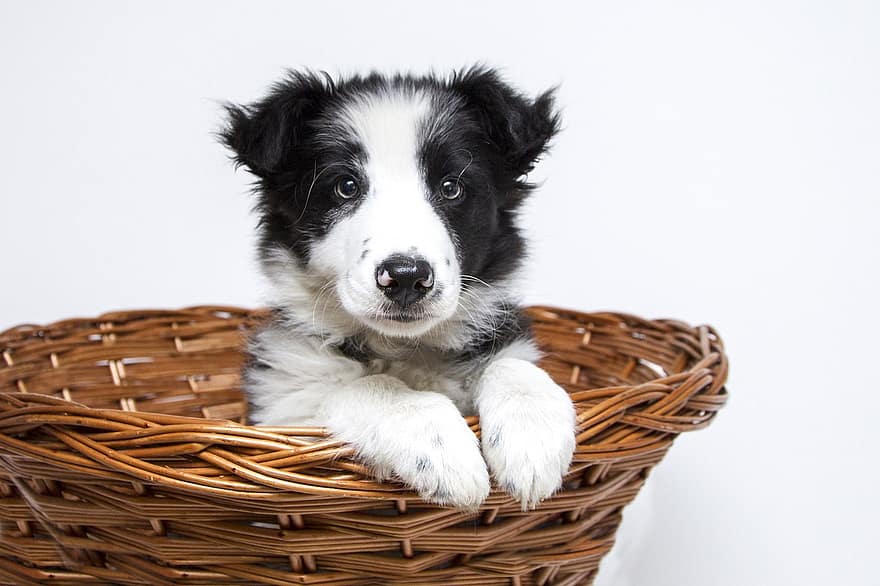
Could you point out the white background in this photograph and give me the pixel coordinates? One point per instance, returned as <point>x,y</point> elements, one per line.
<point>719,164</point>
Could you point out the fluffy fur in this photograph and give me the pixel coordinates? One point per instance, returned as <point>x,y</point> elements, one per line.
<point>387,228</point>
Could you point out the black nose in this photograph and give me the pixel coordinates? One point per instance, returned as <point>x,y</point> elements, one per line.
<point>404,279</point>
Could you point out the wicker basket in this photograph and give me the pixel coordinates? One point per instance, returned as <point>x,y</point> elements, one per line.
<point>120,463</point>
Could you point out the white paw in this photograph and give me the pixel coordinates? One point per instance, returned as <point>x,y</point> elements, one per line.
<point>528,429</point>
<point>419,437</point>
<point>439,456</point>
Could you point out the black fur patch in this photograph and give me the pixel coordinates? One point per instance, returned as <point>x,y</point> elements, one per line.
<point>354,349</point>
<point>512,326</point>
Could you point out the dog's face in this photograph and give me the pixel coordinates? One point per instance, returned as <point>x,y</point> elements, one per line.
<point>395,195</point>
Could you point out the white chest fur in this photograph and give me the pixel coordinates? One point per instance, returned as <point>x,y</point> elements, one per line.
<point>429,372</point>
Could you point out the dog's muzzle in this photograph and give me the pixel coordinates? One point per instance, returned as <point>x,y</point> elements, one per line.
<point>405,280</point>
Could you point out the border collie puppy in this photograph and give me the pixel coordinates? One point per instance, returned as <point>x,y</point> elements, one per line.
<point>387,211</point>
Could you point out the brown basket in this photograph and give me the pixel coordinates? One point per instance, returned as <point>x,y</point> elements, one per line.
<point>120,464</point>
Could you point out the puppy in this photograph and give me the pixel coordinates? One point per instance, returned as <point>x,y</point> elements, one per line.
<point>387,210</point>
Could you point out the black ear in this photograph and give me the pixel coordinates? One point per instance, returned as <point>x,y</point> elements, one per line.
<point>518,127</point>
<point>262,135</point>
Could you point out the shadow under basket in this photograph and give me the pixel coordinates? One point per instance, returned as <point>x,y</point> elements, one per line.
<point>121,461</point>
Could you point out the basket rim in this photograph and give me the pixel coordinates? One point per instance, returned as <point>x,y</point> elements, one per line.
<point>262,463</point>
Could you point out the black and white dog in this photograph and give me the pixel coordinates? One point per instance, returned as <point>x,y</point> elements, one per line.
<point>387,213</point>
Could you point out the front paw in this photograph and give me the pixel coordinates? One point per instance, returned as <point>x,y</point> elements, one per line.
<point>420,437</point>
<point>528,429</point>
<point>443,463</point>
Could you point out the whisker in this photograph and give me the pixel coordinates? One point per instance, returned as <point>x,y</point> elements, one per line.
<point>466,166</point>
<point>315,176</point>
<point>325,289</point>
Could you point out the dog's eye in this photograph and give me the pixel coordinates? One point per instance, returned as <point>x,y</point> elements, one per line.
<point>347,188</point>
<point>451,188</point>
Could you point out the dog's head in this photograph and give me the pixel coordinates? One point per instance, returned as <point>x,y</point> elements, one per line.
<point>395,196</point>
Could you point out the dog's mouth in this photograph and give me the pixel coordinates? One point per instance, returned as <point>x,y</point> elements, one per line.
<point>402,316</point>
<point>397,322</point>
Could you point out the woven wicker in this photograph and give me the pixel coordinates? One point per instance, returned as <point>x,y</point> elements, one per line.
<point>120,463</point>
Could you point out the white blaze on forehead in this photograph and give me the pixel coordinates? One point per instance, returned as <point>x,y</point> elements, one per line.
<point>388,125</point>
<point>397,211</point>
